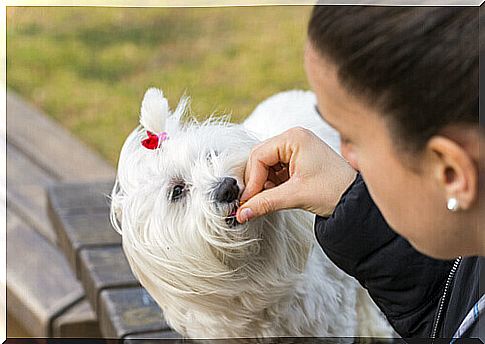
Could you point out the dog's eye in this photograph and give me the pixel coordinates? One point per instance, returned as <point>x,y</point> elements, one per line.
<point>177,192</point>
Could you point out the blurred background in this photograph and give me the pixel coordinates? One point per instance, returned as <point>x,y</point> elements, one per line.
<point>89,67</point>
<point>75,80</point>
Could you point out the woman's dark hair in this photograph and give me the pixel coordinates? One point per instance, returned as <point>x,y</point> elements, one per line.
<point>417,65</point>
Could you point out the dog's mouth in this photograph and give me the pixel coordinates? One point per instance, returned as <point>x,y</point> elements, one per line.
<point>231,219</point>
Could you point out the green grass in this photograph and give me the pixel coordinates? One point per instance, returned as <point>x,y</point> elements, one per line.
<point>89,67</point>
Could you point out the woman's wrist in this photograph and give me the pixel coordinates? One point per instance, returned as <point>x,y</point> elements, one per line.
<point>341,187</point>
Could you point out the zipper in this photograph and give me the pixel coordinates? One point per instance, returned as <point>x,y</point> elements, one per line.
<point>451,275</point>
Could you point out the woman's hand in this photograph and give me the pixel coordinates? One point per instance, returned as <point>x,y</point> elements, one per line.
<point>294,170</point>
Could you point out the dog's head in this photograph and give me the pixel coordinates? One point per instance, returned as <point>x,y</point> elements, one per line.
<point>175,207</point>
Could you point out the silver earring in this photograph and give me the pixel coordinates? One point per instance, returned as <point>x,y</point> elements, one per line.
<point>452,204</point>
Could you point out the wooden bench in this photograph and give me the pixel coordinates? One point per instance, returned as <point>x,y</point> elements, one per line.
<point>81,216</point>
<point>52,256</point>
<point>42,291</point>
<point>43,295</point>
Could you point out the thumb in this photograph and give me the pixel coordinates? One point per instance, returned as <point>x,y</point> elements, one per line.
<point>268,201</point>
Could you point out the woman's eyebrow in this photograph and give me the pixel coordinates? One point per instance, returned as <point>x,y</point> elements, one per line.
<point>318,111</point>
<point>323,118</point>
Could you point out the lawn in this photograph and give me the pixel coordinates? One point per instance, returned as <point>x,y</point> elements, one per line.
<point>88,67</point>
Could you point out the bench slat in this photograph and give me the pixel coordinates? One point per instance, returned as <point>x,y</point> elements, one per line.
<point>69,196</point>
<point>104,268</point>
<point>40,284</point>
<point>79,321</point>
<point>128,311</point>
<point>80,215</point>
<point>42,289</point>
<point>51,146</point>
<point>26,191</point>
<point>154,338</point>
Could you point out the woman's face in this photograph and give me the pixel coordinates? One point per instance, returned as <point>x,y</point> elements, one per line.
<point>411,199</point>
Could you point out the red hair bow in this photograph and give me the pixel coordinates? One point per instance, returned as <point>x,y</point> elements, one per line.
<point>154,140</point>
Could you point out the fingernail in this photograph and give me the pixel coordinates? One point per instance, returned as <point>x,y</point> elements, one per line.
<point>246,214</point>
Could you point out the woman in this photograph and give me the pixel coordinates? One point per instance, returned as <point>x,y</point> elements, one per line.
<point>401,87</point>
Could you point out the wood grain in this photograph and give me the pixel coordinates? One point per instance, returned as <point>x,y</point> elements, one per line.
<point>104,268</point>
<point>52,146</point>
<point>78,321</point>
<point>40,283</point>
<point>26,185</point>
<point>154,338</point>
<point>80,215</point>
<point>128,311</point>
<point>43,292</point>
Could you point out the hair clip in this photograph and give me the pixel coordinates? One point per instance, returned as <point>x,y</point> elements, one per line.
<point>154,140</point>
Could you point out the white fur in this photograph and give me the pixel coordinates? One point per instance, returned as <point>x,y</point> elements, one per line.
<point>263,278</point>
<point>154,110</point>
<point>287,110</point>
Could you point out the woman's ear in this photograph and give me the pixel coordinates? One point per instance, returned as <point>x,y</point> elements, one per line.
<point>455,170</point>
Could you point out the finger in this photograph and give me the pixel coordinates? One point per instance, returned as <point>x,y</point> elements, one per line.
<point>264,156</point>
<point>269,185</point>
<point>268,201</point>
<point>250,159</point>
<point>255,178</point>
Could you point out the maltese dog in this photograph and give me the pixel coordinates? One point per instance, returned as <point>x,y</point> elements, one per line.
<point>174,202</point>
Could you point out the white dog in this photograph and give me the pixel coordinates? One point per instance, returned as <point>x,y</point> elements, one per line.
<point>174,201</point>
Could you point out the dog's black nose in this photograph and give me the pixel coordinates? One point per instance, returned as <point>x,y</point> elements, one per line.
<point>227,191</point>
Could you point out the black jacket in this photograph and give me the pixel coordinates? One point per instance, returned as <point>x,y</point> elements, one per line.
<point>406,285</point>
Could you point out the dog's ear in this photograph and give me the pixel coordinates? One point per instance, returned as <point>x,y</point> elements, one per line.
<point>154,111</point>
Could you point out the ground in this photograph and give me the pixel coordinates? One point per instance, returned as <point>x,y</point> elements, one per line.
<point>89,67</point>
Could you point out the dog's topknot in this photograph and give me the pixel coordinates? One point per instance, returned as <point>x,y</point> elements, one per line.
<point>154,110</point>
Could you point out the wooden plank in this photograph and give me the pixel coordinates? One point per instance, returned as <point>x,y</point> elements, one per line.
<point>128,311</point>
<point>103,268</point>
<point>74,196</point>
<point>80,215</point>
<point>40,284</point>
<point>16,328</point>
<point>42,290</point>
<point>78,321</point>
<point>154,338</point>
<point>76,232</point>
<point>52,146</point>
<point>26,191</point>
